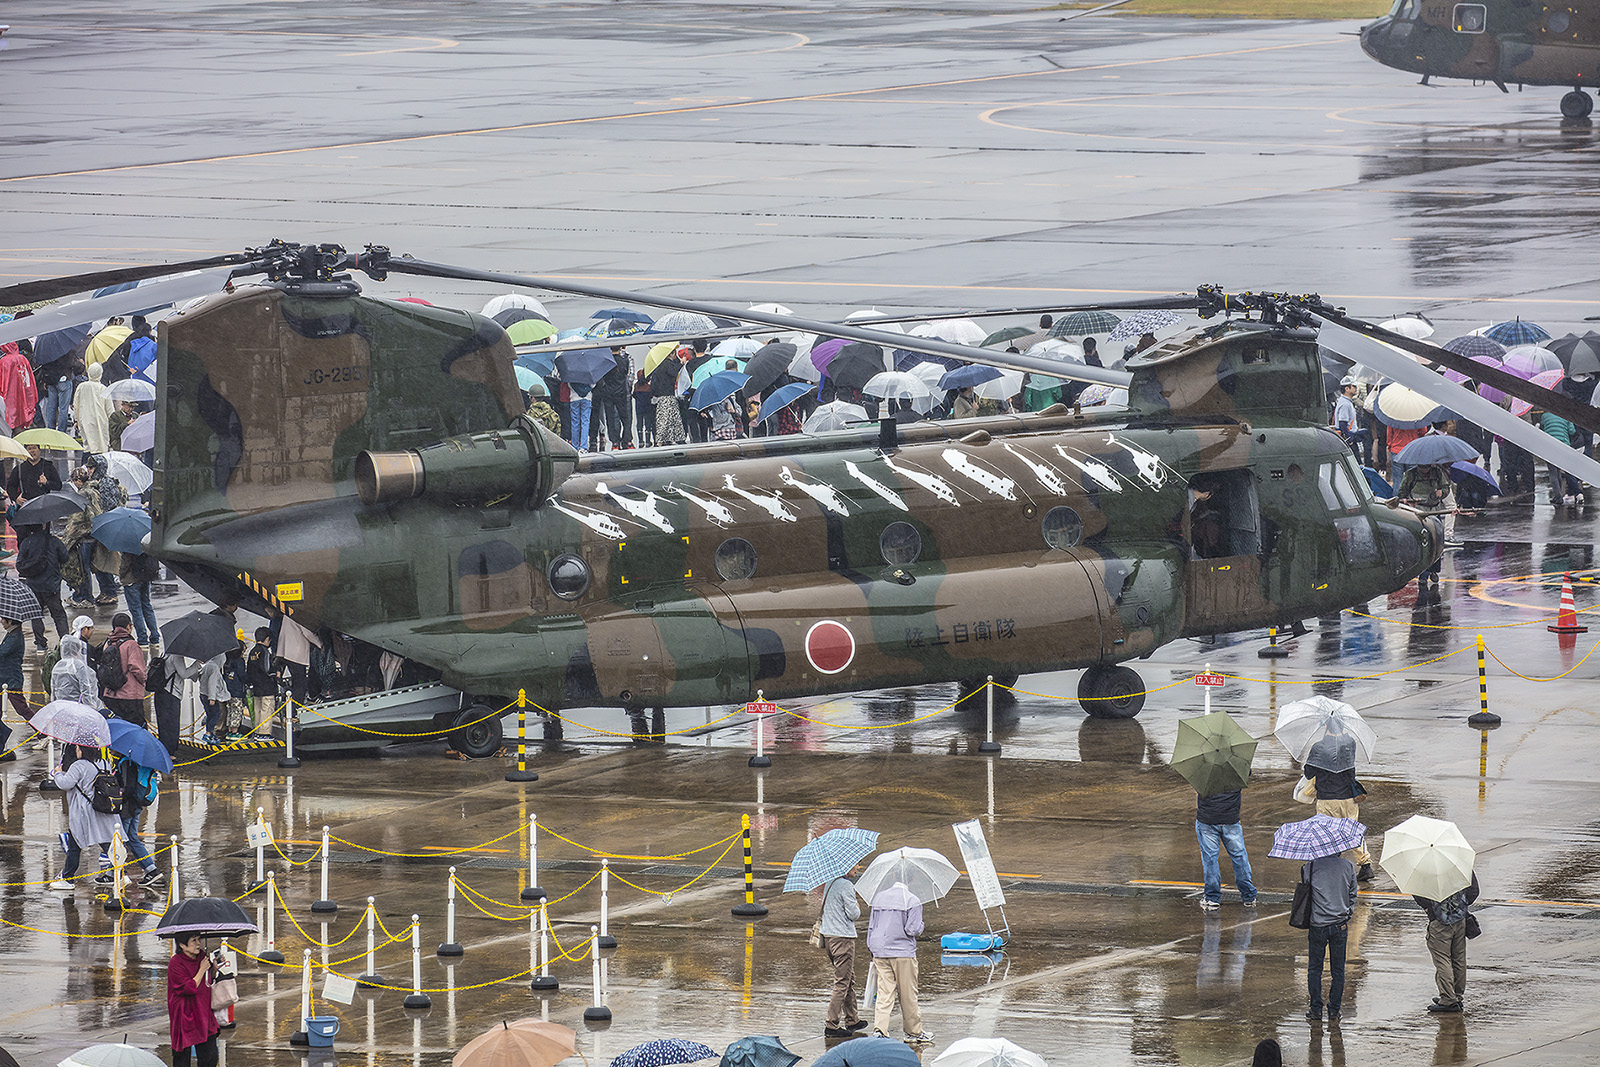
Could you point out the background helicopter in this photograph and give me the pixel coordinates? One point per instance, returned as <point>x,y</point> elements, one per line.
<point>374,457</point>
<point>1499,41</point>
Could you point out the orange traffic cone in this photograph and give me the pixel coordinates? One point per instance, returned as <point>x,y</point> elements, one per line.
<point>1567,615</point>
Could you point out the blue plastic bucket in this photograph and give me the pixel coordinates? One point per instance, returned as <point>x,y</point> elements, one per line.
<point>320,1030</point>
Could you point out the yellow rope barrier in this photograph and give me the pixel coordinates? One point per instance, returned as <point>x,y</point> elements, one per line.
<point>293,863</point>
<point>626,856</point>
<point>468,893</point>
<point>618,733</point>
<point>1529,678</point>
<point>87,874</point>
<point>296,922</point>
<point>685,885</point>
<point>413,734</point>
<point>427,855</point>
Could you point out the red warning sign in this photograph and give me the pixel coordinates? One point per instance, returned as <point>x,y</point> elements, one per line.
<point>1213,681</point>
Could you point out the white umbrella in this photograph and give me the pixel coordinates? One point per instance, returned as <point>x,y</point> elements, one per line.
<point>1004,387</point>
<point>135,390</point>
<point>1055,348</point>
<point>771,309</point>
<point>868,314</point>
<point>1325,733</point>
<point>1108,395</point>
<point>924,872</point>
<point>956,331</point>
<point>508,301</point>
<point>737,348</point>
<point>987,1052</point>
<point>125,468</point>
<point>801,366</point>
<point>897,385</point>
<point>117,1055</point>
<point>835,415</point>
<point>140,434</point>
<point>1408,326</point>
<point>930,373</point>
<point>897,897</point>
<point>1427,857</point>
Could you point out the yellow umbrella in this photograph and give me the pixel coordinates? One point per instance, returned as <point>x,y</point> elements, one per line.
<point>656,355</point>
<point>52,439</point>
<point>104,343</point>
<point>9,449</point>
<point>524,1043</point>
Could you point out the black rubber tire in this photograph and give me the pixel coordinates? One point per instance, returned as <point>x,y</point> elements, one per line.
<point>1120,692</point>
<point>1577,104</point>
<point>483,737</point>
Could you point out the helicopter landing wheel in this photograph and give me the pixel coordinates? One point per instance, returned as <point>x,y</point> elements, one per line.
<point>1577,104</point>
<point>478,732</point>
<point>1111,692</point>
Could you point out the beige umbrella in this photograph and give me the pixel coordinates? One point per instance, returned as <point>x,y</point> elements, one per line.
<point>524,1043</point>
<point>1427,857</point>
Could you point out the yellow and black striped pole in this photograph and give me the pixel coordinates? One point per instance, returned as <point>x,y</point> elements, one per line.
<point>1484,716</point>
<point>522,774</point>
<point>749,907</point>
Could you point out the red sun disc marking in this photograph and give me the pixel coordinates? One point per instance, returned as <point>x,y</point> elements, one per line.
<point>830,647</point>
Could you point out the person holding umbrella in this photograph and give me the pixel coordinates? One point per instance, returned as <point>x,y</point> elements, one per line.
<point>1447,944</point>
<point>86,826</point>
<point>1321,839</point>
<point>1213,754</point>
<point>892,939</point>
<point>193,1025</point>
<point>838,928</point>
<point>11,649</point>
<point>143,759</point>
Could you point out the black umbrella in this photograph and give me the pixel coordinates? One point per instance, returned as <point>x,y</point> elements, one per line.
<point>198,636</point>
<point>18,602</point>
<point>206,916</point>
<point>49,347</point>
<point>585,366</point>
<point>1579,354</point>
<point>511,316</point>
<point>770,363</point>
<point>855,365</point>
<point>42,510</point>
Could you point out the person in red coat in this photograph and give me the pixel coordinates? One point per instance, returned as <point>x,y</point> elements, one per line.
<point>17,388</point>
<point>194,1027</point>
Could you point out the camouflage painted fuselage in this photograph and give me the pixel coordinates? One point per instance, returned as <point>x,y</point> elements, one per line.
<point>1498,40</point>
<point>793,565</point>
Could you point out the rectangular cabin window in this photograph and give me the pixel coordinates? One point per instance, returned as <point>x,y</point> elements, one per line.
<point>1470,18</point>
<point>1224,519</point>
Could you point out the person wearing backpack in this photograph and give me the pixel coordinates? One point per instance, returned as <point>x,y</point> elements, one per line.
<point>122,672</point>
<point>87,827</point>
<point>139,786</point>
<point>40,557</point>
<point>72,678</point>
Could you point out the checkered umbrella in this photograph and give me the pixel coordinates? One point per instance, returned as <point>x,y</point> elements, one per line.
<point>758,1052</point>
<point>1517,332</point>
<point>1473,346</point>
<point>18,602</point>
<point>1083,323</point>
<point>664,1053</point>
<point>1320,835</point>
<point>830,856</point>
<point>1143,322</point>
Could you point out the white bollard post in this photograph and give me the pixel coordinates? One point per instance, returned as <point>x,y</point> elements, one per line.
<point>988,745</point>
<point>416,999</point>
<point>596,1012</point>
<point>450,946</point>
<point>324,904</point>
<point>272,955</point>
<point>261,853</point>
<point>543,982</point>
<point>172,883</point>
<point>302,1035</point>
<point>118,860</point>
<point>372,977</point>
<point>1208,691</point>
<point>290,717</point>
<point>760,759</point>
<point>534,891</point>
<point>606,940</point>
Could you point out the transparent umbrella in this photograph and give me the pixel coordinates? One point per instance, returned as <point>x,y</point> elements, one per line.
<point>924,872</point>
<point>835,415</point>
<point>1327,729</point>
<point>987,1052</point>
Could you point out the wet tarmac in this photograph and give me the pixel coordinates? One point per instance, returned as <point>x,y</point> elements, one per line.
<point>831,157</point>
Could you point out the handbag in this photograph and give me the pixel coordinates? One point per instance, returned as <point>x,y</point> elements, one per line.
<point>815,940</point>
<point>1473,927</point>
<point>1300,910</point>
<point>1305,790</point>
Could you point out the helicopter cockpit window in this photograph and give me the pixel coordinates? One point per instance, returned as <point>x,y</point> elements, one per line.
<point>900,544</point>
<point>736,559</point>
<point>569,577</point>
<point>1471,18</point>
<point>1359,479</point>
<point>1338,491</point>
<point>1357,538</point>
<point>1223,517</point>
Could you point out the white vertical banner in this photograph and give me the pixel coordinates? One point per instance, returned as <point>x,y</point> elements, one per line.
<point>980,868</point>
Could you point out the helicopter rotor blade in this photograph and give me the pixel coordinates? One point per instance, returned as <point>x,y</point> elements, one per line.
<point>56,288</point>
<point>1465,402</point>
<point>178,290</point>
<point>851,331</point>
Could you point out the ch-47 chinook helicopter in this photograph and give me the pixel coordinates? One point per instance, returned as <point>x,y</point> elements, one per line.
<point>374,456</point>
<point>1498,41</point>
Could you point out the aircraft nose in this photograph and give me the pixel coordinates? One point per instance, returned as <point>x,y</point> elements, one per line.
<point>1374,36</point>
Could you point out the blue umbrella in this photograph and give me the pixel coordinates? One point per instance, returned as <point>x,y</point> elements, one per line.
<point>585,366</point>
<point>1467,472</point>
<point>625,314</point>
<point>664,1053</point>
<point>140,745</point>
<point>1320,835</point>
<point>869,1052</point>
<point>717,388</point>
<point>962,377</point>
<point>541,363</point>
<point>603,328</point>
<point>1435,448</point>
<point>830,856</point>
<point>758,1052</point>
<point>1516,332</point>
<point>781,398</point>
<point>122,529</point>
<point>49,347</point>
<point>905,360</point>
<point>1380,486</point>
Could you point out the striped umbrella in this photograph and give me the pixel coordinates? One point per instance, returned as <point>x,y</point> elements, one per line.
<point>830,856</point>
<point>1320,835</point>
